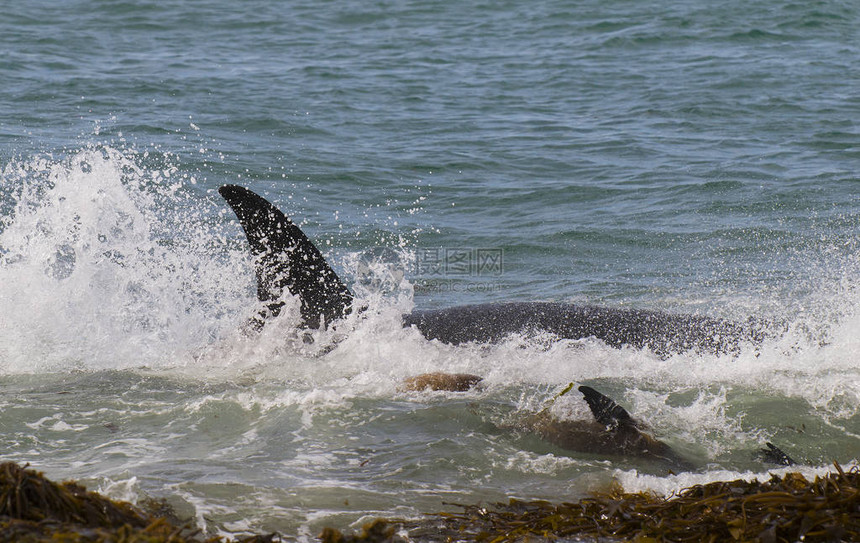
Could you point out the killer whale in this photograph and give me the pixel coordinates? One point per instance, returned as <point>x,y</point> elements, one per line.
<point>287,261</point>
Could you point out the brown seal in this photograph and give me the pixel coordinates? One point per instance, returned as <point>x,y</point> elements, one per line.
<point>452,382</point>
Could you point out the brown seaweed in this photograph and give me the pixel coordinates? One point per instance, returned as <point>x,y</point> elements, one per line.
<point>781,509</point>
<point>785,509</point>
<point>35,509</point>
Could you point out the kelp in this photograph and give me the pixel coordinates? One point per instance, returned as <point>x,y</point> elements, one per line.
<point>35,509</point>
<point>785,509</point>
<point>781,509</point>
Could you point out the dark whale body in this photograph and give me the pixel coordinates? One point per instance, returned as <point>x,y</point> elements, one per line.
<point>286,260</point>
<point>660,332</point>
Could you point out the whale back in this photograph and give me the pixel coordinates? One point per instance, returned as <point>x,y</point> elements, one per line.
<point>285,259</point>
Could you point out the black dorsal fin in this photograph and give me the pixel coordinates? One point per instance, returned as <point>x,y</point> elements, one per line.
<point>285,257</point>
<point>605,410</point>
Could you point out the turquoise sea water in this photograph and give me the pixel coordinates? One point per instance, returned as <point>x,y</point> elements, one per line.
<point>684,156</point>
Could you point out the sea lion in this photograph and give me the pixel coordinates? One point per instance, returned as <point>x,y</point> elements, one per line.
<point>452,382</point>
<point>612,432</point>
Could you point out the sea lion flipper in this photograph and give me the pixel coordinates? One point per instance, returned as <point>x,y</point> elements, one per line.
<point>605,410</point>
<point>775,455</point>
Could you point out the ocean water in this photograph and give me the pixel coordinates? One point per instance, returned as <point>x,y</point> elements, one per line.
<point>693,157</point>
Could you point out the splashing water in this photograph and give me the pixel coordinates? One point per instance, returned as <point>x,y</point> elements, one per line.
<point>107,266</point>
<point>124,288</point>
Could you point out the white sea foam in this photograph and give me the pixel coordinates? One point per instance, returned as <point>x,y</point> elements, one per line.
<point>107,265</point>
<point>634,481</point>
<point>112,267</point>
